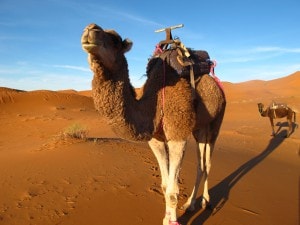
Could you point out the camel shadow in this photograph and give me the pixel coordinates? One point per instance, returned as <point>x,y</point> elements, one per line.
<point>285,125</point>
<point>220,193</point>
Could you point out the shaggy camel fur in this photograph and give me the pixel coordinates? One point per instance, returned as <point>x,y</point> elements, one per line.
<point>275,111</point>
<point>165,115</point>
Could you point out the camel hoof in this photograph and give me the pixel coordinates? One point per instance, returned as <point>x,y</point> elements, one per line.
<point>189,206</point>
<point>203,203</point>
<point>206,204</point>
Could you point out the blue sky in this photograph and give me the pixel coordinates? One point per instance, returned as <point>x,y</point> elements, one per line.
<point>250,39</point>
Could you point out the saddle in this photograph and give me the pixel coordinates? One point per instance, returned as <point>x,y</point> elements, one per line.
<point>275,105</point>
<point>188,63</point>
<point>182,59</point>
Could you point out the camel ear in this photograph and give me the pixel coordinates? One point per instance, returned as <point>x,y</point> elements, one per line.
<point>127,44</point>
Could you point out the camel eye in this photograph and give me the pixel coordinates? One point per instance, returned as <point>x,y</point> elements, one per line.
<point>115,40</point>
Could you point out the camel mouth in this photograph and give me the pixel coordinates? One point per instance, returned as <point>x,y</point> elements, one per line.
<point>90,38</point>
<point>88,46</point>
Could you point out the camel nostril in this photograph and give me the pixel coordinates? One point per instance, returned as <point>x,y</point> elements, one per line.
<point>93,26</point>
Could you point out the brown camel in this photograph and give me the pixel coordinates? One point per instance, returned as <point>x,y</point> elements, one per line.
<point>275,111</point>
<point>165,115</point>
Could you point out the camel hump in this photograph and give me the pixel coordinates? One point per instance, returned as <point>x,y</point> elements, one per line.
<point>201,62</point>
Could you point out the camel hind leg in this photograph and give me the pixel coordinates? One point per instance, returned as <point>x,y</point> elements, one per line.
<point>290,128</point>
<point>204,153</point>
<point>291,115</point>
<point>208,153</point>
<point>296,124</point>
<point>190,203</point>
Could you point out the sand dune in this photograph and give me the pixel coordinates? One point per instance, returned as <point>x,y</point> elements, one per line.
<point>48,178</point>
<point>258,90</point>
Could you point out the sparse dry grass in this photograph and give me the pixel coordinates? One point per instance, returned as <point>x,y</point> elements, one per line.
<point>76,131</point>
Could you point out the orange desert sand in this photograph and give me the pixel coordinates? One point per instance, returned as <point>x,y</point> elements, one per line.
<point>49,179</point>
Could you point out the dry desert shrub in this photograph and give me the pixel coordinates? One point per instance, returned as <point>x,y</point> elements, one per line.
<point>76,131</point>
<point>73,134</point>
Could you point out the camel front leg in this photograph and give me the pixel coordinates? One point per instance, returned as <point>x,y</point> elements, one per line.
<point>159,150</point>
<point>290,128</point>
<point>272,125</point>
<point>204,164</point>
<point>176,153</point>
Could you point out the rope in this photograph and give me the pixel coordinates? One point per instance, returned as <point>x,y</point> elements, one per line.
<point>212,73</point>
<point>163,94</point>
<point>157,50</point>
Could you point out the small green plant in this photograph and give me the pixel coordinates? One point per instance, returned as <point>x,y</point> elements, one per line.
<point>76,131</point>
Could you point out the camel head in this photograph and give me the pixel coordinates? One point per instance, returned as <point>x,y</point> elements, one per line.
<point>260,107</point>
<point>106,46</point>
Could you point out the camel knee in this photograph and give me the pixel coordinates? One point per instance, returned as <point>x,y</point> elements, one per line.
<point>164,188</point>
<point>171,195</point>
<point>204,168</point>
<point>171,200</point>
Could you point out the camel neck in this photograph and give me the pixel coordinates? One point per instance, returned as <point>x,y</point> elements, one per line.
<point>114,98</point>
<point>264,113</point>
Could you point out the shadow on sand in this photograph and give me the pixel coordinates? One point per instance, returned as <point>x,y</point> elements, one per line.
<point>220,192</point>
<point>286,126</point>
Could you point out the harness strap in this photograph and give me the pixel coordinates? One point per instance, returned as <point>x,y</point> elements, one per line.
<point>183,53</point>
<point>274,111</point>
<point>164,44</point>
<point>192,80</point>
